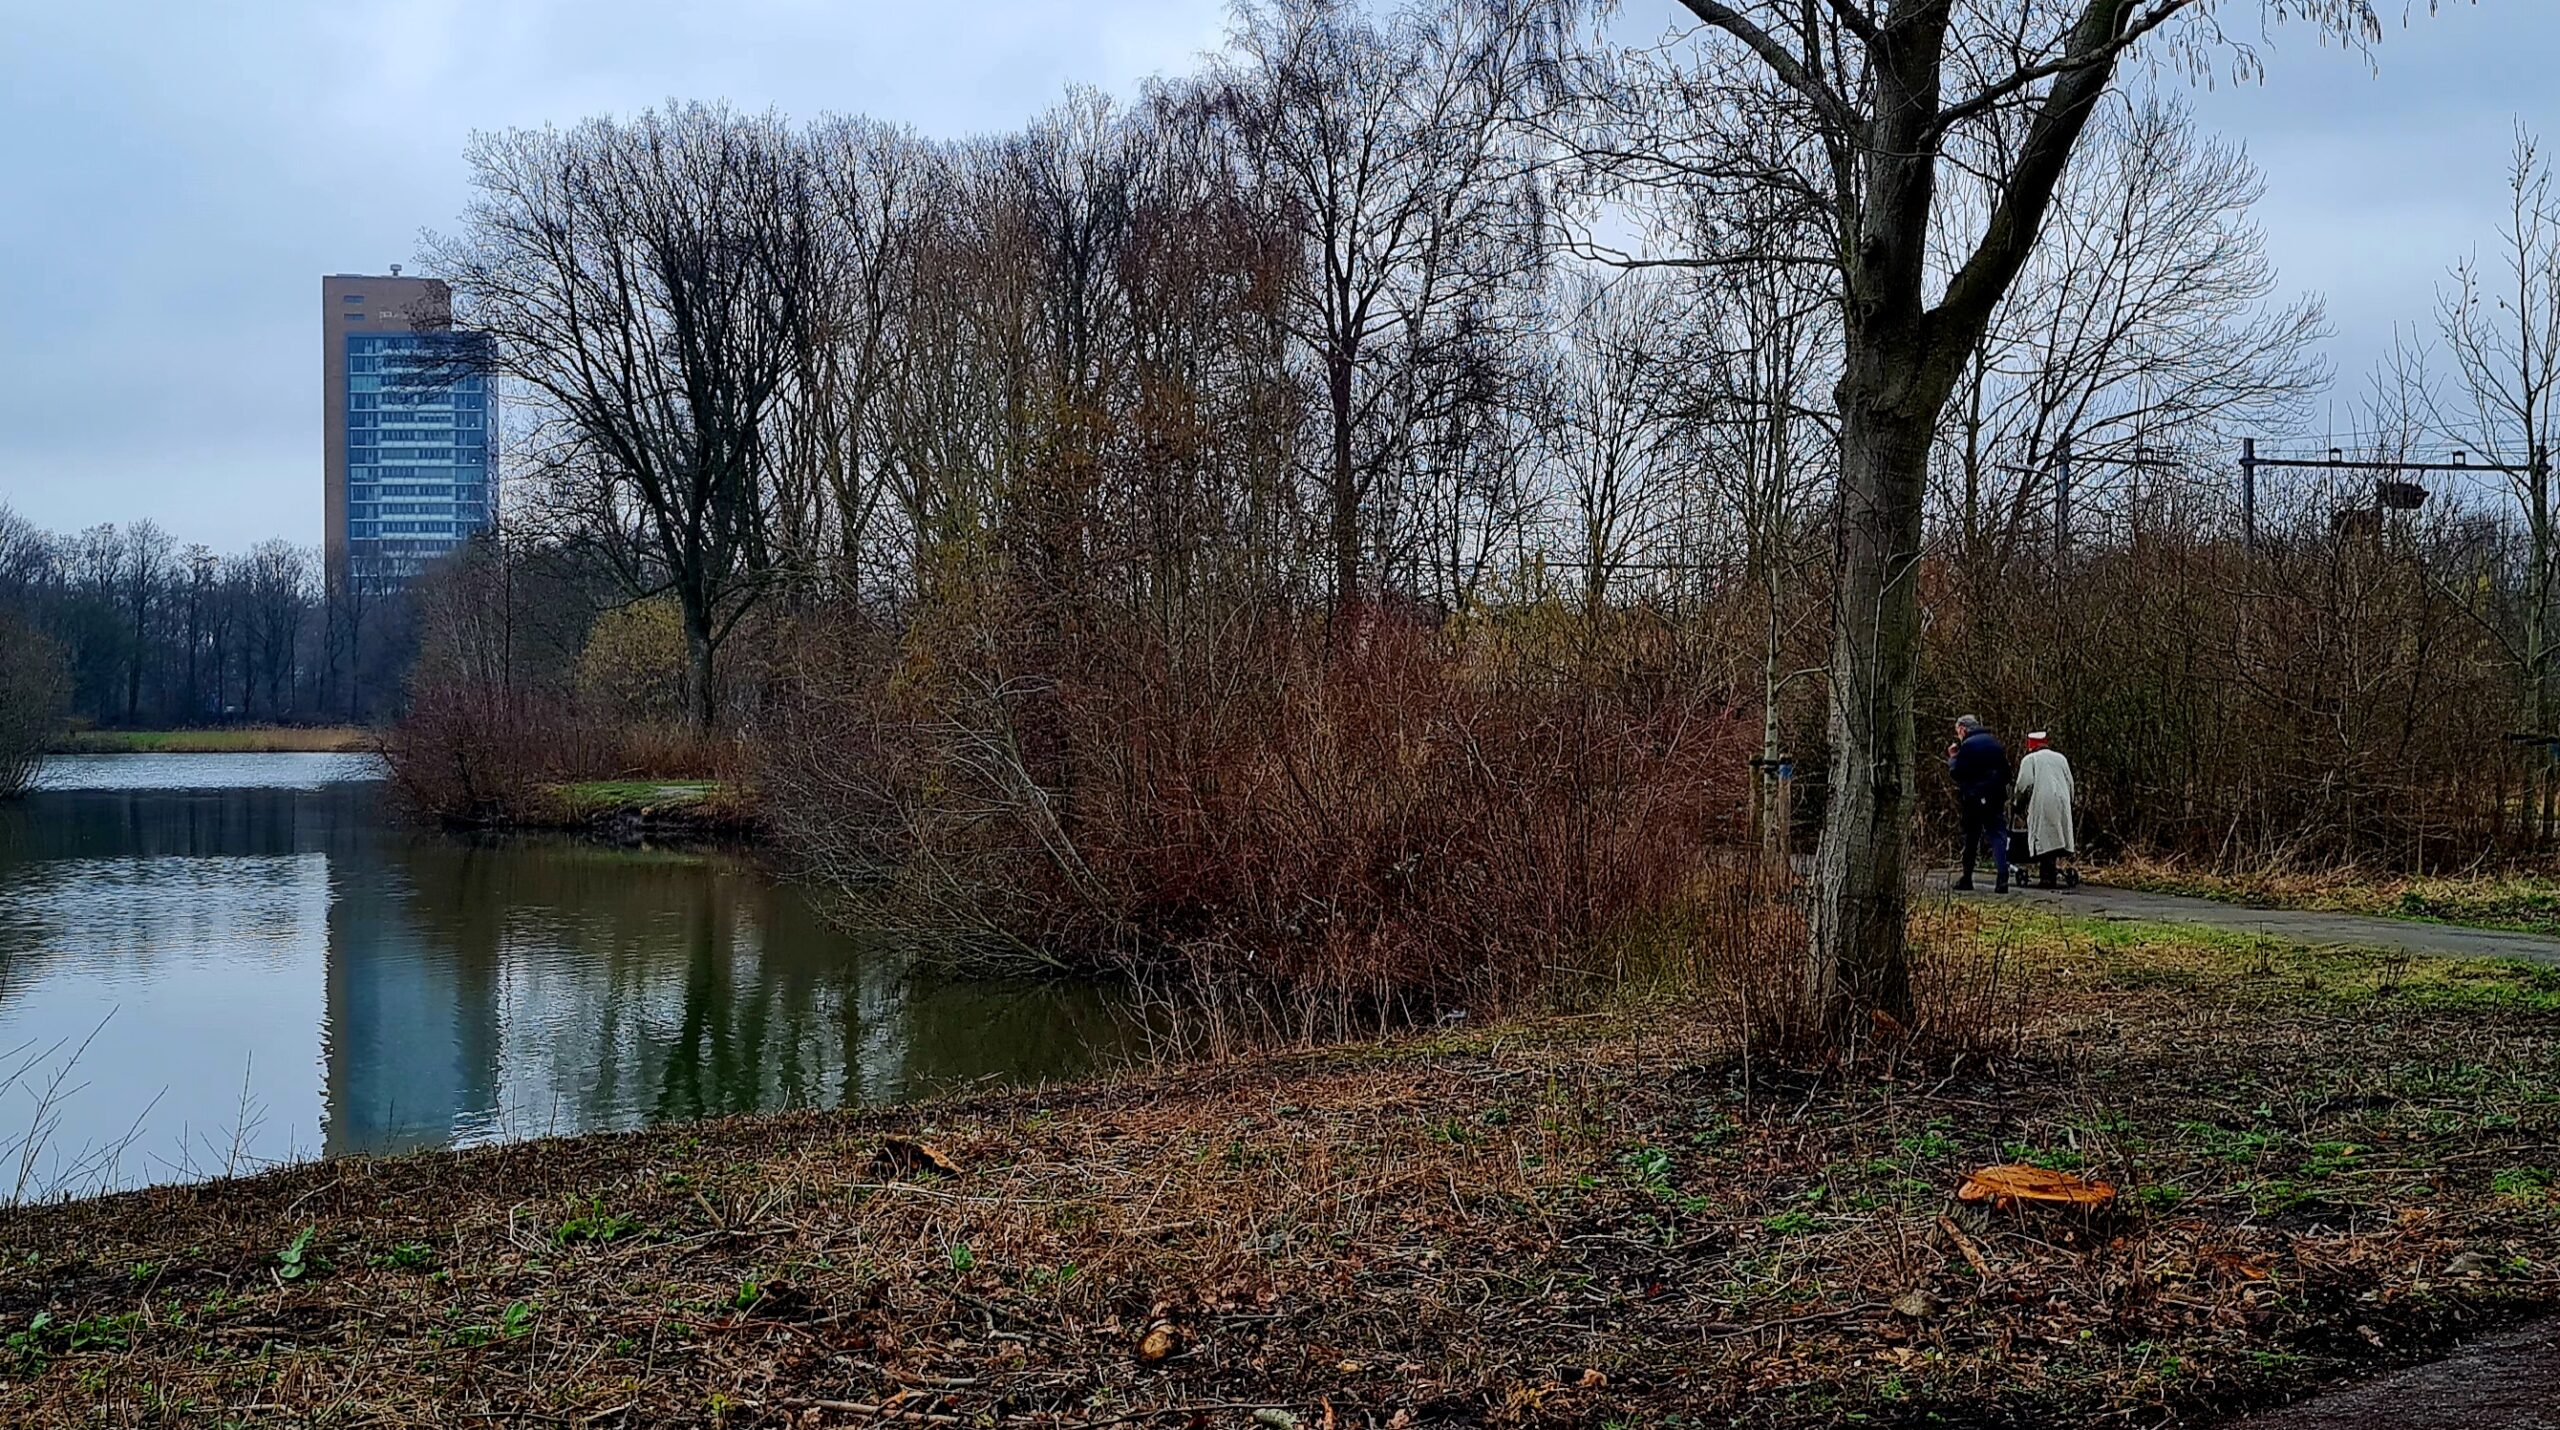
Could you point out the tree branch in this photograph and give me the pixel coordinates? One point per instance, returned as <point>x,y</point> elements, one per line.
<point>1789,70</point>
<point>2088,66</point>
<point>2106,56</point>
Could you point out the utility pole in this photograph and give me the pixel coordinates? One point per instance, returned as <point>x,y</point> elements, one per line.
<point>2249,495</point>
<point>2065,466</point>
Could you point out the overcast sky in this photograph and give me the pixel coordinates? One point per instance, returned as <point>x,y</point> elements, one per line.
<point>175,177</point>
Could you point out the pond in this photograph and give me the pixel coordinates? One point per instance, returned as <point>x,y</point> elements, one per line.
<point>214,963</point>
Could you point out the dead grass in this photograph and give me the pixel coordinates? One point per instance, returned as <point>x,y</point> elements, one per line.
<point>2522,900</point>
<point>1572,1221</point>
<point>220,740</point>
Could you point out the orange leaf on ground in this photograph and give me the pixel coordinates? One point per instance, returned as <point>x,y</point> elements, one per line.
<point>900,1158</point>
<point>2021,1183</point>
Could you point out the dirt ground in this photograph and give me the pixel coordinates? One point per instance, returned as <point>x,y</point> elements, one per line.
<point>2328,1164</point>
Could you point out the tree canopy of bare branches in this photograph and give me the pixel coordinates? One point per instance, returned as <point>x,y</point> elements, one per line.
<point>1875,109</point>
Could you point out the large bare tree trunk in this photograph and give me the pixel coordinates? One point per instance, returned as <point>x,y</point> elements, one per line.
<point>1860,897</point>
<point>1902,359</point>
<point>701,694</point>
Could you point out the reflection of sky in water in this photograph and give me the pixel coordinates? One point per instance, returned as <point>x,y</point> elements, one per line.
<point>195,984</point>
<point>373,989</point>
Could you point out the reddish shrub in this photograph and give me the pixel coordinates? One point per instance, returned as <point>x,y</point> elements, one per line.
<point>468,754</point>
<point>1326,829</point>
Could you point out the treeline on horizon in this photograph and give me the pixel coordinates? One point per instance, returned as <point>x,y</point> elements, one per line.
<point>146,632</point>
<point>1357,518</point>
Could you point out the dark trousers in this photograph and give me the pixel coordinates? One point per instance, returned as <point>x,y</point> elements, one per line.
<point>1986,826</point>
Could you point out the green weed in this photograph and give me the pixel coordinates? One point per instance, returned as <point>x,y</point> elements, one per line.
<point>295,1261</point>
<point>407,1256</point>
<point>46,1337</point>
<point>594,1224</point>
<point>2521,1183</point>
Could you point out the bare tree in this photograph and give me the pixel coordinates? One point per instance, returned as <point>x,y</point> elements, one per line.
<point>201,568</point>
<point>141,592</point>
<point>33,689</point>
<point>26,557</point>
<point>1389,149</point>
<point>1758,412</point>
<point>2495,394</point>
<point>2141,333</point>
<point>1615,399</point>
<point>644,282</point>
<point>873,186</point>
<point>1889,96</point>
<point>273,581</point>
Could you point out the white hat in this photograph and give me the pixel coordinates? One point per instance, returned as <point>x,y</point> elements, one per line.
<point>2035,734</point>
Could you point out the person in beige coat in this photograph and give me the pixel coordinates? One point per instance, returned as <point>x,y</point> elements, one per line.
<point>2044,791</point>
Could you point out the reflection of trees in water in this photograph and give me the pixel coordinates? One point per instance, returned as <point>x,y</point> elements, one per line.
<point>138,876</point>
<point>481,989</point>
<point>601,988</point>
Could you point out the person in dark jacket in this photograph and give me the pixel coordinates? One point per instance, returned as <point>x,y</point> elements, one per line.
<point>1980,769</point>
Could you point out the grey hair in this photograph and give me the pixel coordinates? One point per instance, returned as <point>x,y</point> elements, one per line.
<point>1969,722</point>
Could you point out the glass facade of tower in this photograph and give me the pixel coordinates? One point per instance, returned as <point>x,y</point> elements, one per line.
<point>421,437</point>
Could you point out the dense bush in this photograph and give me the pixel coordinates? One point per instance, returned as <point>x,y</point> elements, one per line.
<point>485,755</point>
<point>1312,828</point>
<point>2318,702</point>
<point>633,663</point>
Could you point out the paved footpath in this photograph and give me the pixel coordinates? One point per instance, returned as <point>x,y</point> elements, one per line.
<point>2293,925</point>
<point>2509,1382</point>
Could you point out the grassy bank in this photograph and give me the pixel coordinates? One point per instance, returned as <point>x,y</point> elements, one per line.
<point>2519,901</point>
<point>642,809</point>
<point>2327,1161</point>
<point>226,740</point>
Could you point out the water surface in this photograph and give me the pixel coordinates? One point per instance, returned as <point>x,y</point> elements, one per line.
<point>216,962</point>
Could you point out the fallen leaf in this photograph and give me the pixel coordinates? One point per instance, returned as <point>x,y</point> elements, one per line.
<point>1593,1380</point>
<point>2017,1182</point>
<point>2234,1264</point>
<point>900,1157</point>
<point>1161,1340</point>
<point>1917,1304</point>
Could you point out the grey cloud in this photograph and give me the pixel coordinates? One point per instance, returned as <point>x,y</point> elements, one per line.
<point>174,177</point>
